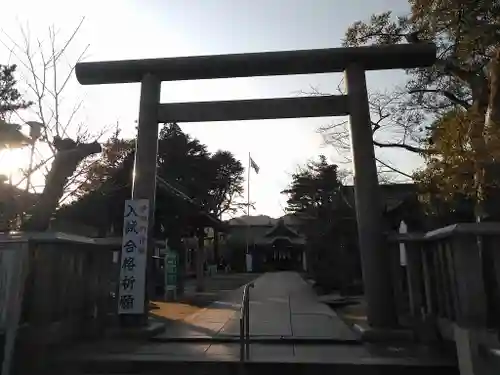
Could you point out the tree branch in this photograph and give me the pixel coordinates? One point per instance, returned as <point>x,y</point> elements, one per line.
<point>52,35</point>
<point>68,42</point>
<point>65,162</point>
<point>393,169</point>
<point>35,168</point>
<point>477,81</point>
<point>449,95</point>
<point>403,146</point>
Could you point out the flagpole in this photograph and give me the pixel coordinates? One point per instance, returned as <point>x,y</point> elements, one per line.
<point>248,205</point>
<point>248,184</point>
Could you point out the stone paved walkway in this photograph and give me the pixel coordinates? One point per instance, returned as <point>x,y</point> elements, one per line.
<point>288,325</point>
<point>282,306</point>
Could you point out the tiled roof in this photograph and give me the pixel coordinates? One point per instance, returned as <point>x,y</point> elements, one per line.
<point>263,220</point>
<point>391,194</point>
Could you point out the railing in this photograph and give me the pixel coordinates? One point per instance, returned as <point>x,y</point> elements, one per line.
<point>452,275</point>
<point>245,323</point>
<point>450,286</point>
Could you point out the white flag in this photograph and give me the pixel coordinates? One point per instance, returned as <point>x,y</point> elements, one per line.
<point>254,166</point>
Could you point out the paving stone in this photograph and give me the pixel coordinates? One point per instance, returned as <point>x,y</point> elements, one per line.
<point>320,326</point>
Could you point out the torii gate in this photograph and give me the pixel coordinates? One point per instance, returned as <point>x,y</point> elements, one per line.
<point>353,61</point>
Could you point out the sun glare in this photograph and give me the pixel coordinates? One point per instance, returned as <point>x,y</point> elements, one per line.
<point>12,161</point>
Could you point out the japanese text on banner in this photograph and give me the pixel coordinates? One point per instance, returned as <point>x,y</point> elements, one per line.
<point>133,257</point>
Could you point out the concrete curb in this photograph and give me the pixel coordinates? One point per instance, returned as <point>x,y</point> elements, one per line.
<point>146,332</point>
<point>227,366</point>
<point>258,339</point>
<point>369,334</point>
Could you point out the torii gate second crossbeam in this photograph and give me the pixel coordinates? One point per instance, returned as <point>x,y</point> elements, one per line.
<point>353,61</point>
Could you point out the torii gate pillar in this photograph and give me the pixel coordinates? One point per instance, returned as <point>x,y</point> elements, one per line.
<point>374,254</point>
<point>144,180</point>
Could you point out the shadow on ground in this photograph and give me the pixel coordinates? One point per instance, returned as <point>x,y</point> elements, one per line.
<point>180,316</point>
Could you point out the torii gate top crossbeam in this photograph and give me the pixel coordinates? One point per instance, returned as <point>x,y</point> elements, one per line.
<point>398,56</point>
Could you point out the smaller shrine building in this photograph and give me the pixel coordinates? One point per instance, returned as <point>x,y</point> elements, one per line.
<point>274,244</point>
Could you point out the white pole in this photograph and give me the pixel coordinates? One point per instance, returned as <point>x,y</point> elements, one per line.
<point>247,252</point>
<point>248,201</point>
<point>248,185</point>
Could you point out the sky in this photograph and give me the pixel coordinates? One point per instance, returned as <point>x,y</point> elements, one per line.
<point>134,29</point>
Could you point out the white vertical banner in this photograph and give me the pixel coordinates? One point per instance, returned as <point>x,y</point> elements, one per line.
<point>403,229</point>
<point>132,288</point>
<point>248,261</point>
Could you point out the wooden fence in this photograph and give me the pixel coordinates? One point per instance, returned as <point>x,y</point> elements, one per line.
<point>449,290</point>
<point>67,285</point>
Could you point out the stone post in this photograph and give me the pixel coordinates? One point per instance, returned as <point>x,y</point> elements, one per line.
<point>375,259</point>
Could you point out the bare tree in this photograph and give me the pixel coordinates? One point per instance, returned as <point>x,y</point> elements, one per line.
<point>65,145</point>
<point>391,128</point>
